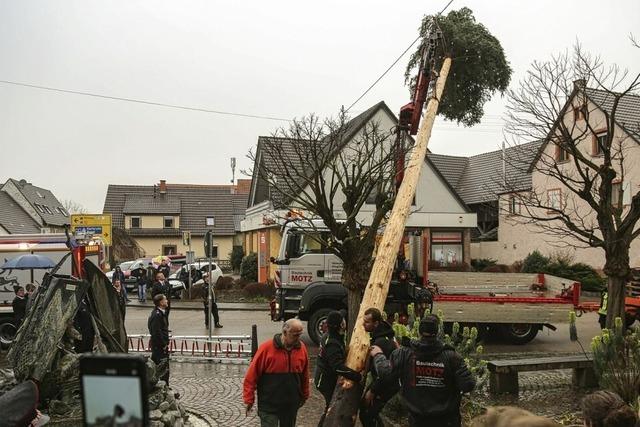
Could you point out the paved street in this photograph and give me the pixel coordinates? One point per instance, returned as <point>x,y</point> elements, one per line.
<point>216,389</point>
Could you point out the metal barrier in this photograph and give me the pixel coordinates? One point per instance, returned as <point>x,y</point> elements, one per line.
<point>220,348</point>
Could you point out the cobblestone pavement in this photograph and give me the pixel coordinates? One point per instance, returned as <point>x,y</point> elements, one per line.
<point>215,390</point>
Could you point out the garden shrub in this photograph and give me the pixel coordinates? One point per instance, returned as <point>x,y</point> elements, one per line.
<point>255,290</point>
<point>497,268</point>
<point>237,253</point>
<point>616,361</point>
<point>480,264</point>
<point>249,267</point>
<point>535,262</point>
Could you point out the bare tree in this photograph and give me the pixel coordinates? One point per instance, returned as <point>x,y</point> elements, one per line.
<point>329,169</point>
<point>74,207</point>
<point>571,104</point>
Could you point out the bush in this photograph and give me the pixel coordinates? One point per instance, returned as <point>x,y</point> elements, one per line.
<point>224,282</point>
<point>616,361</point>
<point>249,267</point>
<point>516,267</point>
<point>237,253</point>
<point>481,264</point>
<point>535,262</point>
<point>255,290</point>
<point>497,268</point>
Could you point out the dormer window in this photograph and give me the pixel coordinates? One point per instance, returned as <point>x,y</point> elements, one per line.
<point>210,221</point>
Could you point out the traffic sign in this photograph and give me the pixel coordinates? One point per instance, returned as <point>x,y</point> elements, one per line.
<point>98,225</point>
<point>186,238</point>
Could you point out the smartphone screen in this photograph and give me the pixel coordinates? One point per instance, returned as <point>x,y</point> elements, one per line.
<point>113,391</point>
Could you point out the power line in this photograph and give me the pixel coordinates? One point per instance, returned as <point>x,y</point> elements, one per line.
<point>145,102</point>
<point>393,64</point>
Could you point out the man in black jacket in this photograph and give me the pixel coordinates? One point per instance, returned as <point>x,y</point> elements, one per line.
<point>380,390</point>
<point>19,306</point>
<point>162,286</point>
<point>158,325</point>
<point>331,358</point>
<point>164,268</point>
<point>432,374</point>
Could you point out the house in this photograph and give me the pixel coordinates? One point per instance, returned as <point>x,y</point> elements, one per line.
<point>157,215</point>
<point>26,208</point>
<point>440,220</point>
<point>498,179</point>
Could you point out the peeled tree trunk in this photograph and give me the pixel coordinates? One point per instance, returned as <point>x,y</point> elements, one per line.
<point>344,406</point>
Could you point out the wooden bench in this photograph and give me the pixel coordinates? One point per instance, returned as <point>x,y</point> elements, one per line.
<point>504,373</point>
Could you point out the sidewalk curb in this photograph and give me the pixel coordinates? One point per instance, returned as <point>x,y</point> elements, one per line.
<point>221,306</point>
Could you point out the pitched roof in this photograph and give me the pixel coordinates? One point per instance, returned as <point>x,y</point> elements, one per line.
<point>286,148</point>
<point>627,113</point>
<point>196,203</point>
<point>239,208</point>
<point>136,204</point>
<point>14,219</point>
<point>38,196</point>
<point>479,178</point>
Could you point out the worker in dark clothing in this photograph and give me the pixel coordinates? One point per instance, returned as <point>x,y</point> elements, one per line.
<point>118,274</point>
<point>151,274</point>
<point>19,305</point>
<point>331,358</point>
<point>433,377</point>
<point>158,325</point>
<point>380,390</point>
<point>122,302</point>
<point>161,286</point>
<point>214,305</point>
<point>164,268</point>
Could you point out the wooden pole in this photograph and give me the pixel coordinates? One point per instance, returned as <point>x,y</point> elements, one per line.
<point>378,286</point>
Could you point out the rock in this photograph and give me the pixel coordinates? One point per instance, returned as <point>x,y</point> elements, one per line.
<point>164,406</point>
<point>174,414</point>
<point>168,420</point>
<point>156,424</point>
<point>178,423</point>
<point>173,406</point>
<point>161,385</point>
<point>170,397</point>
<point>155,415</point>
<point>58,407</point>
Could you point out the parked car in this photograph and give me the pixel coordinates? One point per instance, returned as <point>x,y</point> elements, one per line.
<point>203,266</point>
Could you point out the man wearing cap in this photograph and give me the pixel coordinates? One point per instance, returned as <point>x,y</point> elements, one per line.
<point>433,377</point>
<point>331,358</point>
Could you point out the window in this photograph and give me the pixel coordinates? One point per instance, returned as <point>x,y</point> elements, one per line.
<point>168,222</point>
<point>599,141</point>
<point>514,205</point>
<point>554,198</point>
<point>299,244</point>
<point>39,207</point>
<point>48,210</point>
<point>446,247</point>
<point>169,249</point>
<point>136,222</point>
<point>616,189</point>
<point>62,211</point>
<point>210,221</point>
<point>562,155</point>
<point>39,194</point>
<point>578,113</point>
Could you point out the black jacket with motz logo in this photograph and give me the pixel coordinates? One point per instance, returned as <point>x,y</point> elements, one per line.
<point>432,374</point>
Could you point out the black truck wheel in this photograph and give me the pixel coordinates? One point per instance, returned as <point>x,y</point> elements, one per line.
<point>316,324</point>
<point>520,333</point>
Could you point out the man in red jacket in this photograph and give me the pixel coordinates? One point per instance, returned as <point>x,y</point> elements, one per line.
<point>280,373</point>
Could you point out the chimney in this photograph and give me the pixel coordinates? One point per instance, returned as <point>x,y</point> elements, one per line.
<point>163,186</point>
<point>579,84</point>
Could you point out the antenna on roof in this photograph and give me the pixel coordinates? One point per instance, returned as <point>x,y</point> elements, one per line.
<point>233,169</point>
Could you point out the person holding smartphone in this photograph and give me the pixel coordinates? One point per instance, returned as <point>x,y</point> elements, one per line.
<point>159,330</point>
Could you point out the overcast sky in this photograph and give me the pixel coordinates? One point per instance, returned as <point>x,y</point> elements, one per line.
<point>280,59</point>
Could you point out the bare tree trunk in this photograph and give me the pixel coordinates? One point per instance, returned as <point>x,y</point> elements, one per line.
<point>344,409</point>
<point>615,300</point>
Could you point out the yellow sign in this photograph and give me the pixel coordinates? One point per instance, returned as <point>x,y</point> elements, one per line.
<point>98,225</point>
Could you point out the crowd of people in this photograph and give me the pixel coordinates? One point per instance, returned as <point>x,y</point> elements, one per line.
<point>429,375</point>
